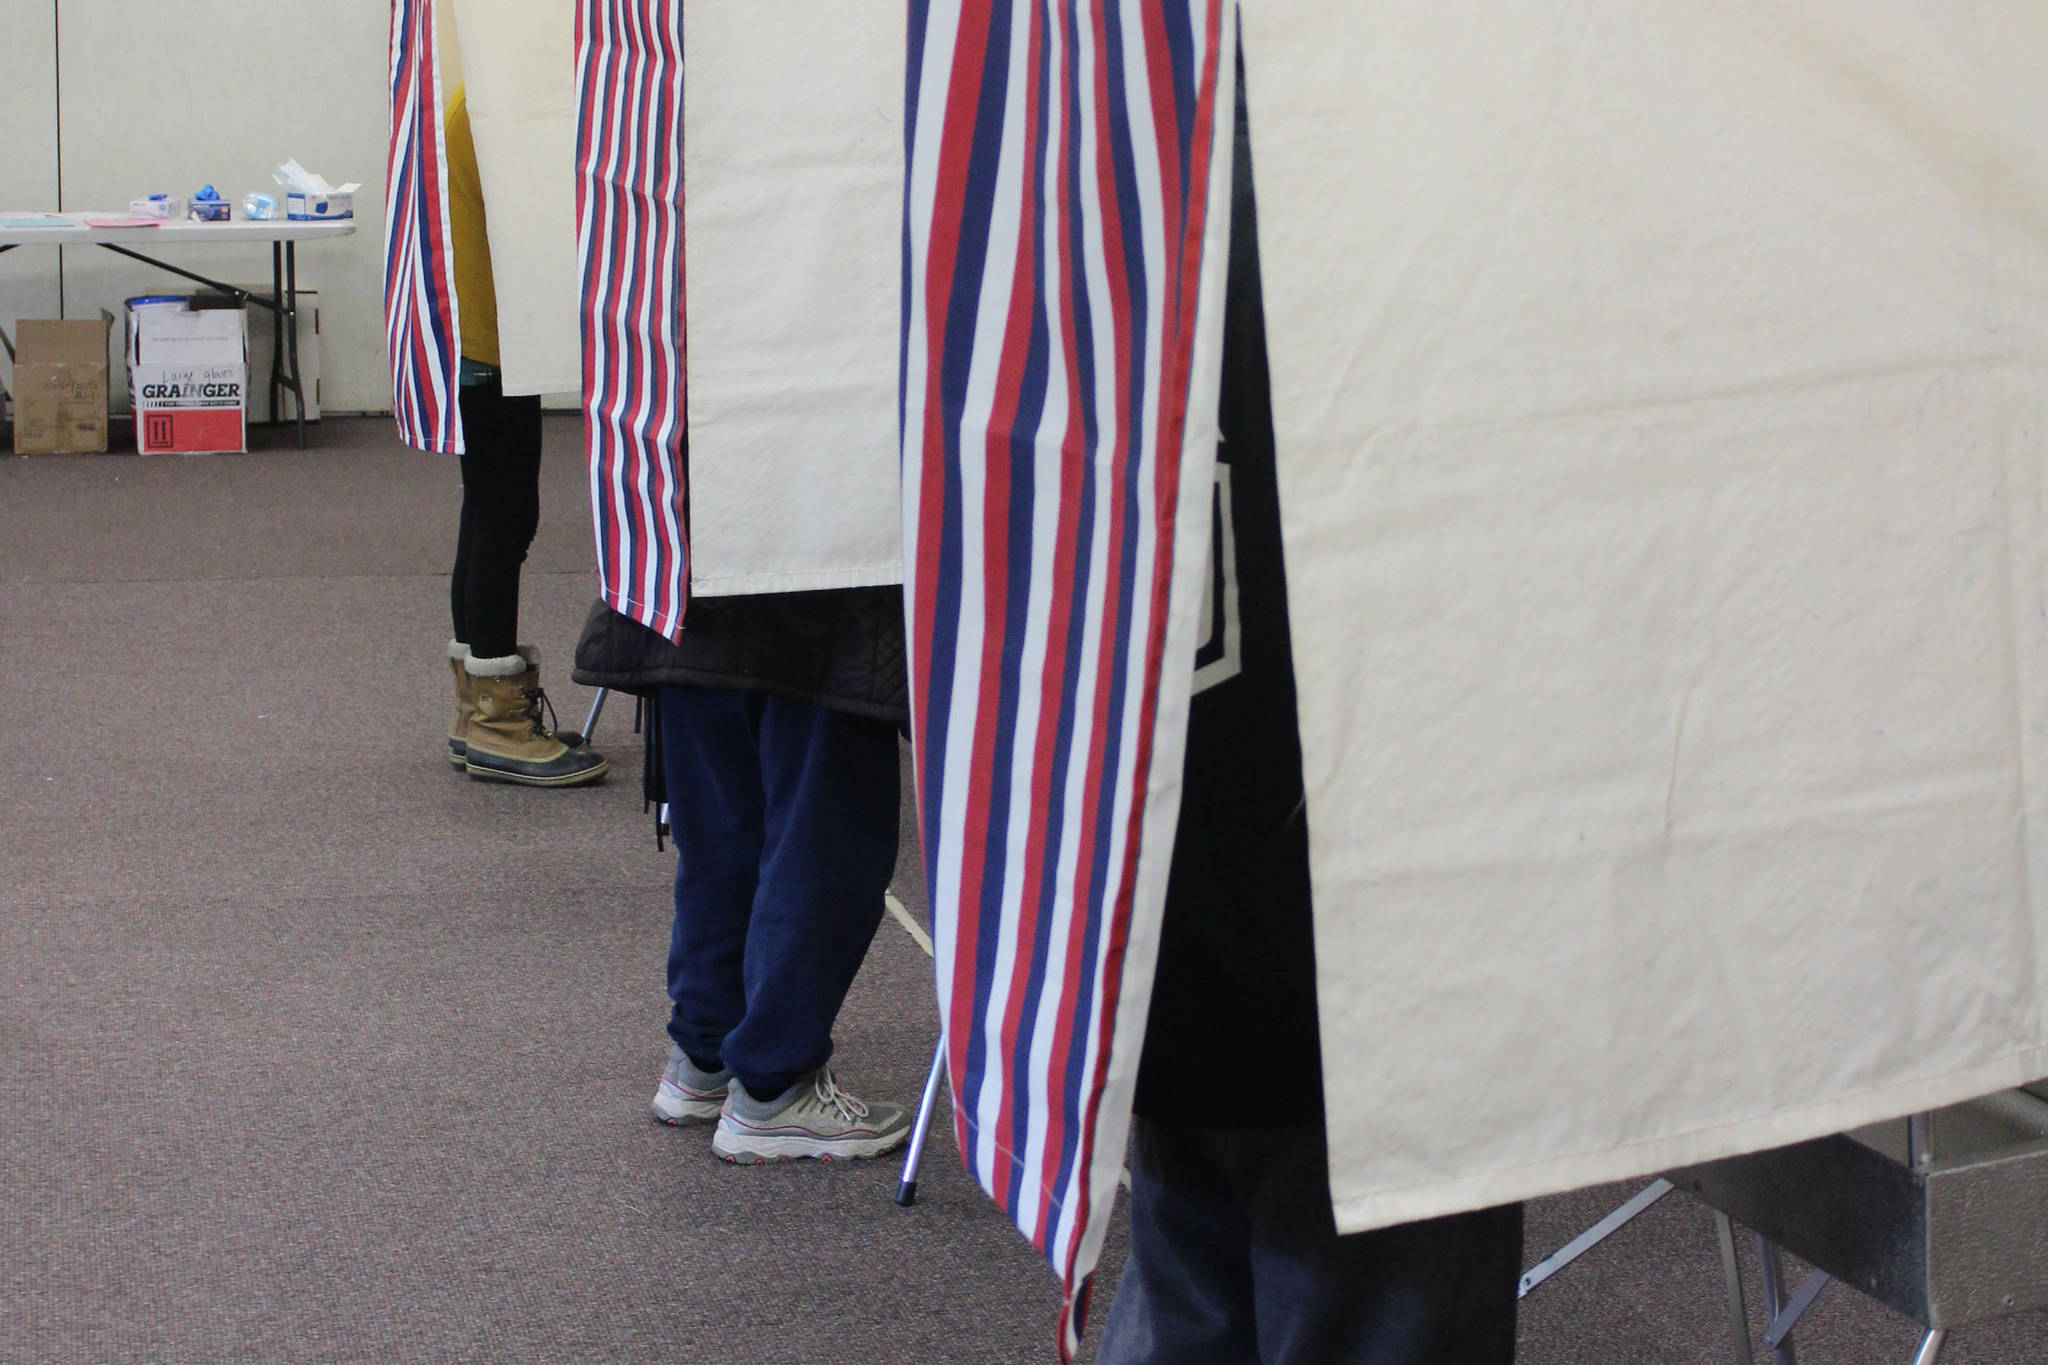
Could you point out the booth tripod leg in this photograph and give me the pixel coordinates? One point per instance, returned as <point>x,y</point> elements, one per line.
<point>596,710</point>
<point>1930,1346</point>
<point>1772,1267</point>
<point>906,1191</point>
<point>1731,1271</point>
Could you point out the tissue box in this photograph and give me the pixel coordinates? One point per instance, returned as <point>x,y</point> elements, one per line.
<point>187,376</point>
<point>315,208</point>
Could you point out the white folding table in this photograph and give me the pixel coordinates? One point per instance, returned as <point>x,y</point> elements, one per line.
<point>283,300</point>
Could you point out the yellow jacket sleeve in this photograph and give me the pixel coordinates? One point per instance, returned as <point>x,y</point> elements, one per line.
<point>476,297</point>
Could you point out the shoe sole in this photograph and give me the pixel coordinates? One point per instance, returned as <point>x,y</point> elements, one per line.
<point>677,1112</point>
<point>581,777</point>
<point>458,756</point>
<point>756,1151</point>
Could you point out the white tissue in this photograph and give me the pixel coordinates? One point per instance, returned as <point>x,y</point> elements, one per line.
<point>298,179</point>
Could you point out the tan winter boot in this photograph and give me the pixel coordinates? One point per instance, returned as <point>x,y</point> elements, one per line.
<point>507,741</point>
<point>465,705</point>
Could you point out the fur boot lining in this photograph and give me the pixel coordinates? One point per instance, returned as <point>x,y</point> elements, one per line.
<point>458,650</point>
<point>511,666</point>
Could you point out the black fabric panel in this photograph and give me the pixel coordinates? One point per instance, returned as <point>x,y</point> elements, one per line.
<point>1234,1003</point>
<point>841,648</point>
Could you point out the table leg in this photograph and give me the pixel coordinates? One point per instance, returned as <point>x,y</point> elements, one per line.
<point>276,327</point>
<point>291,320</point>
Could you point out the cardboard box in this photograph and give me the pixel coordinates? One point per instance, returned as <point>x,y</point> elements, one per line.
<point>188,372</point>
<point>60,387</point>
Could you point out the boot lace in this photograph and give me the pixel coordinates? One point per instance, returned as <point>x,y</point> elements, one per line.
<point>537,698</point>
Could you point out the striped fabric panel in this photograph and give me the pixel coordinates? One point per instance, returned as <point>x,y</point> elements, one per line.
<point>420,324</point>
<point>629,217</point>
<point>1056,208</point>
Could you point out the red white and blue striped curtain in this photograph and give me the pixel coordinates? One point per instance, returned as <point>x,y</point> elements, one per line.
<point>629,216</point>
<point>420,323</point>
<point>1059,216</point>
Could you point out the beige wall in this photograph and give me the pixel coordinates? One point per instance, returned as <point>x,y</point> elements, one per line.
<point>167,95</point>
<point>28,157</point>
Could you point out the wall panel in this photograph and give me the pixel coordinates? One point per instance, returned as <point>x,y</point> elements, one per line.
<point>28,158</point>
<point>171,95</point>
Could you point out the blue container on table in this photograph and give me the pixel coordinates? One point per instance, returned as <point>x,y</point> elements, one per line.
<point>209,207</point>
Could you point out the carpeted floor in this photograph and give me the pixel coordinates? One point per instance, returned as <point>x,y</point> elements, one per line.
<point>311,1050</point>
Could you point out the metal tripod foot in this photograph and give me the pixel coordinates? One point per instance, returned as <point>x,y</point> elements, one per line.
<point>906,1192</point>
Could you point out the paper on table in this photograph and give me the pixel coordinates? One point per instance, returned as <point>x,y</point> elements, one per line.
<point>293,176</point>
<point>109,220</point>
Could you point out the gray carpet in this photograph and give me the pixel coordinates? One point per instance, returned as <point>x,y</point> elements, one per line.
<point>311,1050</point>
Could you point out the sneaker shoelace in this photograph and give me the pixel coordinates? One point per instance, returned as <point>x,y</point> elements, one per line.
<point>826,1094</point>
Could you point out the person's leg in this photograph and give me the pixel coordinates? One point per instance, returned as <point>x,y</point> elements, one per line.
<point>1186,1292</point>
<point>709,754</point>
<point>501,513</point>
<point>832,804</point>
<point>458,579</point>
<point>1439,1292</point>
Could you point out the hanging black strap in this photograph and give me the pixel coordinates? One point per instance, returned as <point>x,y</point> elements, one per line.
<point>653,773</point>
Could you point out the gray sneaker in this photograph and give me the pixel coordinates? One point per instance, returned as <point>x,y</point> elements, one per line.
<point>686,1094</point>
<point>813,1118</point>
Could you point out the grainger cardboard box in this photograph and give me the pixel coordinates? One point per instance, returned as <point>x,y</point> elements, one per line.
<point>187,376</point>
<point>60,387</point>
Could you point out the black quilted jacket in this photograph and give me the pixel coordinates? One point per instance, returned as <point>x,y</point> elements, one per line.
<point>841,648</point>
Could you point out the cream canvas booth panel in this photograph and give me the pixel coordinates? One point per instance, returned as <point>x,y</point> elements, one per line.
<point>1661,395</point>
<point>793,207</point>
<point>28,167</point>
<point>518,65</point>
<point>242,88</point>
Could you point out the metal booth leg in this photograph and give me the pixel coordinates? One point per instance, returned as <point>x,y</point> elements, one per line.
<point>906,1191</point>
<point>1772,1266</point>
<point>596,710</point>
<point>1930,1346</point>
<point>1731,1270</point>
<point>1614,1222</point>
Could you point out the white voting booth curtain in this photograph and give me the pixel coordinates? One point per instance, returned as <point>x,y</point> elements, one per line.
<point>1067,206</point>
<point>1662,399</point>
<point>794,114</point>
<point>629,208</point>
<point>419,273</point>
<point>790,236</point>
<point>519,79</point>
<point>517,63</point>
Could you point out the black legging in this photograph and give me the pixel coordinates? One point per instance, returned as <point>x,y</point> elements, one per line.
<point>500,513</point>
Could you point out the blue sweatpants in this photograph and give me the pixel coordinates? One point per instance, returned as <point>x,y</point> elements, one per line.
<point>1235,1260</point>
<point>785,818</point>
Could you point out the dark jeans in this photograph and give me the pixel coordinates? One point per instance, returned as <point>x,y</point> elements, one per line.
<point>1235,1259</point>
<point>500,513</point>
<point>785,818</point>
